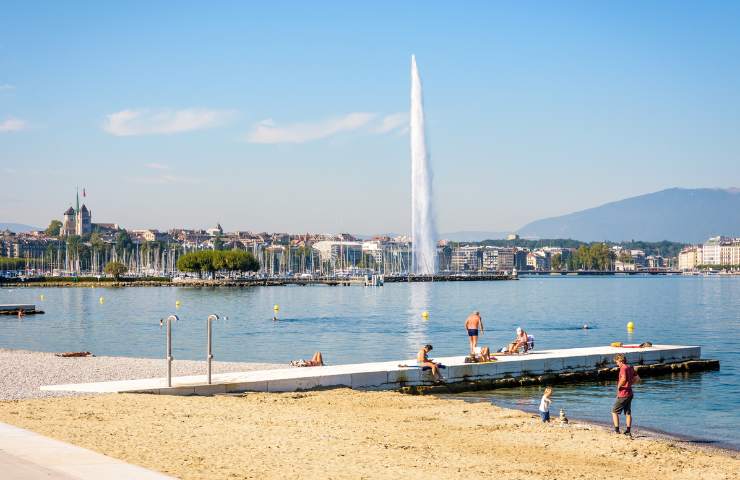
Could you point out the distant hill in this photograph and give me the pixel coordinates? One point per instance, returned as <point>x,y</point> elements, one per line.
<point>18,227</point>
<point>676,214</point>
<point>472,236</point>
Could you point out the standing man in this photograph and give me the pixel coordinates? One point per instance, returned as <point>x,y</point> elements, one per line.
<point>474,324</point>
<point>623,404</point>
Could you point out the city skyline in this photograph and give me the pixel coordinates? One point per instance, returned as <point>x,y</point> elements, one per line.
<point>233,116</point>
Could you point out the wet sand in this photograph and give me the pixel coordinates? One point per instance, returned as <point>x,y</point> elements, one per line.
<point>351,434</point>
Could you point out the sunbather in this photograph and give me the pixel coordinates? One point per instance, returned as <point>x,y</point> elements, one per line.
<point>316,361</point>
<point>520,342</point>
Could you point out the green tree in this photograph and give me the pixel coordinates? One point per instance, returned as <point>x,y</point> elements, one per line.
<point>116,269</point>
<point>211,261</point>
<point>556,261</point>
<point>123,242</point>
<point>96,242</point>
<point>55,226</point>
<point>218,243</point>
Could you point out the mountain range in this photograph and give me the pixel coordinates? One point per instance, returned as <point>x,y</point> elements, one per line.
<point>17,227</point>
<point>676,214</point>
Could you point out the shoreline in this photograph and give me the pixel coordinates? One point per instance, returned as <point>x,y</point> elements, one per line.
<point>343,433</point>
<point>648,432</point>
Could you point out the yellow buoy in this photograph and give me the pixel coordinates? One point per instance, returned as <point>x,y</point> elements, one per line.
<point>425,315</point>
<point>276,307</point>
<point>41,297</point>
<point>630,326</point>
<point>177,304</point>
<point>101,300</point>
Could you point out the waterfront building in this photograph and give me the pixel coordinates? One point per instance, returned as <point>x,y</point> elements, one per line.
<point>497,259</point>
<point>688,258</point>
<point>711,251</point>
<point>373,250</point>
<point>465,259</point>
<point>638,258</point>
<point>520,259</point>
<point>539,260</point>
<point>621,266</point>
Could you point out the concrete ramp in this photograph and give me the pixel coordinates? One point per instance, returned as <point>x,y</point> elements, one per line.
<point>394,375</point>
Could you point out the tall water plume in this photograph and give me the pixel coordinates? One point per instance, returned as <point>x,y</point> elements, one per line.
<point>423,230</point>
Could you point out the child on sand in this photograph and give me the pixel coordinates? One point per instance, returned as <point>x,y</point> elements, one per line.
<point>545,405</point>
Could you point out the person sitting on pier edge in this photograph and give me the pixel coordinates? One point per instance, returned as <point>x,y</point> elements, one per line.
<point>474,324</point>
<point>521,341</point>
<point>316,361</point>
<point>425,362</point>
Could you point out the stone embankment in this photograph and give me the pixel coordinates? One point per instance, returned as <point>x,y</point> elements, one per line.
<point>562,378</point>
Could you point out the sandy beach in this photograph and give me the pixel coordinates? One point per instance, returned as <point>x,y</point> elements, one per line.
<point>351,434</point>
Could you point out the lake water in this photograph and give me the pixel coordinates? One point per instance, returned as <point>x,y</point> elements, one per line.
<point>358,324</point>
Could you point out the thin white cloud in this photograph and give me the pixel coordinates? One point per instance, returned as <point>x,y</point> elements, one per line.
<point>395,121</point>
<point>156,166</point>
<point>4,87</point>
<point>12,125</point>
<point>153,122</point>
<point>165,180</point>
<point>267,131</point>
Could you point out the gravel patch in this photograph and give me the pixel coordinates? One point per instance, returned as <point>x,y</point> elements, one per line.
<point>22,372</point>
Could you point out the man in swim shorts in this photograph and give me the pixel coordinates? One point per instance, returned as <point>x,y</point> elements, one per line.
<point>474,325</point>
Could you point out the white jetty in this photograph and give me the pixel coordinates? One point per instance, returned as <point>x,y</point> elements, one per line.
<point>395,375</point>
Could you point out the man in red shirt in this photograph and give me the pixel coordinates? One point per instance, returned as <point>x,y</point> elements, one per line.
<point>623,404</point>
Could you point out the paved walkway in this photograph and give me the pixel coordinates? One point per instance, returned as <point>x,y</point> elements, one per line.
<point>25,455</point>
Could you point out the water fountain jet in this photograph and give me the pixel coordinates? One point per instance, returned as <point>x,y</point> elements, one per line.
<point>423,230</point>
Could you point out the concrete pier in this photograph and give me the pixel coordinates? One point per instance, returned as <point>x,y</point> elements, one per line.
<point>399,375</point>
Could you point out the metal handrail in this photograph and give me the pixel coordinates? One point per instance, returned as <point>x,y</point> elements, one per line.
<point>169,320</point>
<point>209,350</point>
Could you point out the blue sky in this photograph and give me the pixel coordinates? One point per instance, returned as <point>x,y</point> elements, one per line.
<point>291,116</point>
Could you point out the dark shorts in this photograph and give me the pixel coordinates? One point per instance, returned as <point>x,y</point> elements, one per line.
<point>623,405</point>
<point>545,416</point>
<point>472,332</point>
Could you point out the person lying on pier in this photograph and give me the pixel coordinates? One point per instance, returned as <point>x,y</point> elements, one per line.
<point>481,354</point>
<point>425,362</point>
<point>316,361</point>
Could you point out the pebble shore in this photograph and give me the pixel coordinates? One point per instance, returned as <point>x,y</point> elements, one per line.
<point>22,372</point>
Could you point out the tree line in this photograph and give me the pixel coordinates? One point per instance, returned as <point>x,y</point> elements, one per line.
<point>211,261</point>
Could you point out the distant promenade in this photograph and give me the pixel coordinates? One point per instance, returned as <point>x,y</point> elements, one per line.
<point>303,281</point>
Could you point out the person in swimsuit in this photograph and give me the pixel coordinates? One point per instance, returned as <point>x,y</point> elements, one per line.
<point>521,341</point>
<point>423,361</point>
<point>316,361</point>
<point>474,325</point>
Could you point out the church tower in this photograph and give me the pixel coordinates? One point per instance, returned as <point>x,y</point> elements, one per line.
<point>69,226</point>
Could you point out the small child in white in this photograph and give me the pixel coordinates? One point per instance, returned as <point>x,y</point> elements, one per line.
<point>545,405</point>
